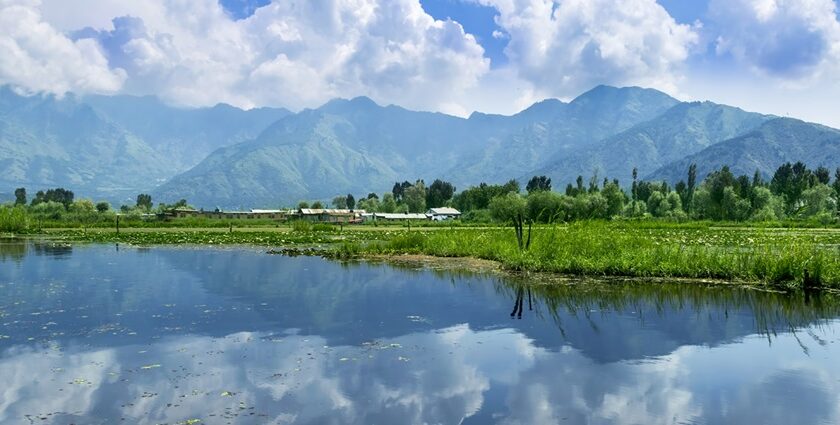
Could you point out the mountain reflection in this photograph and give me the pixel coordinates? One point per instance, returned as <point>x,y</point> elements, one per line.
<point>91,334</point>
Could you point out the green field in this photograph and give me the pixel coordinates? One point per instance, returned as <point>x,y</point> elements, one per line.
<point>782,257</point>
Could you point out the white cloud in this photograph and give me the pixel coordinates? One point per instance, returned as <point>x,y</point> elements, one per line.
<point>793,40</point>
<point>300,53</point>
<point>35,57</point>
<point>292,53</point>
<point>566,47</point>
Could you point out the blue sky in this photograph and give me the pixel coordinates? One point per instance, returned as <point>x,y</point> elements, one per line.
<point>454,56</point>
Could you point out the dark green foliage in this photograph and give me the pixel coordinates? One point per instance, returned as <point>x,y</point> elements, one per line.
<point>103,207</point>
<point>144,201</point>
<point>823,175</point>
<point>439,193</point>
<point>538,183</point>
<point>399,190</point>
<point>60,195</point>
<point>339,202</point>
<point>13,219</point>
<point>478,197</point>
<point>351,201</point>
<point>20,196</point>
<point>758,180</point>
<point>790,181</point>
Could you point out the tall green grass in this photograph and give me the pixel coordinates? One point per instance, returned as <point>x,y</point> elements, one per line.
<point>599,249</point>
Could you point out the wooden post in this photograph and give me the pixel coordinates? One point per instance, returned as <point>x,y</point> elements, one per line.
<point>231,227</point>
<point>118,224</point>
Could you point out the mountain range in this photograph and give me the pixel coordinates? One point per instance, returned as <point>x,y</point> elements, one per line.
<point>114,147</point>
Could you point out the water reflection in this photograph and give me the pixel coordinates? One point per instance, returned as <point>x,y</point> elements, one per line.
<point>236,336</point>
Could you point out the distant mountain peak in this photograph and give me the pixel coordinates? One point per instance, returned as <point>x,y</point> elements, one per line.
<point>602,93</point>
<point>344,105</point>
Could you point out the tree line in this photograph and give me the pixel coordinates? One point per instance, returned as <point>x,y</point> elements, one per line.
<point>404,197</point>
<point>794,192</point>
<point>60,204</point>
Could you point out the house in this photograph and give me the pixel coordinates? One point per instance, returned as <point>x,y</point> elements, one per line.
<point>443,213</point>
<point>330,215</point>
<point>183,212</point>
<point>394,217</point>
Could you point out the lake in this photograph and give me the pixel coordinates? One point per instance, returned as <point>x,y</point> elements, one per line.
<point>106,334</point>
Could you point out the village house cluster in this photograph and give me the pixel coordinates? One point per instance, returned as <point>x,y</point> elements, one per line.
<point>322,215</point>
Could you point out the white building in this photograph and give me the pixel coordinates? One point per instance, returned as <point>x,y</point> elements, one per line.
<point>443,213</point>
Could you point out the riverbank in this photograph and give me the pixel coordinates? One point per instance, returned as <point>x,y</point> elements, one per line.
<point>779,257</point>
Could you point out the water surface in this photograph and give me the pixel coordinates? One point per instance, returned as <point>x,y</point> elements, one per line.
<point>104,334</point>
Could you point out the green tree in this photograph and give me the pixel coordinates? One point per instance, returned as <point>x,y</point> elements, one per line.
<point>144,201</point>
<point>819,200</point>
<point>538,183</point>
<point>351,201</point>
<point>766,212</point>
<point>654,203</point>
<point>49,210</point>
<point>317,205</point>
<point>758,180</point>
<point>303,205</point>
<point>691,186</point>
<point>20,196</point>
<point>634,190</point>
<point>83,211</point>
<point>836,183</point>
<point>789,181</point>
<point>369,204</point>
<point>399,190</point>
<point>60,195</point>
<point>765,205</point>
<point>545,206</point>
<point>103,207</point>
<point>733,207</point>
<point>478,197</point>
<point>415,197</point>
<point>439,193</point>
<point>13,219</point>
<point>823,175</point>
<point>339,202</point>
<point>615,199</point>
<point>389,205</point>
<point>579,185</point>
<point>512,207</point>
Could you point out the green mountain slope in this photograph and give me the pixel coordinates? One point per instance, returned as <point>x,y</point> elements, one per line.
<point>115,147</point>
<point>683,130</point>
<point>185,135</point>
<point>111,147</point>
<point>357,146</point>
<point>550,130</point>
<point>766,148</point>
<point>48,142</point>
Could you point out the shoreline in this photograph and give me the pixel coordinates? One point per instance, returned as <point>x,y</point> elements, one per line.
<point>783,261</point>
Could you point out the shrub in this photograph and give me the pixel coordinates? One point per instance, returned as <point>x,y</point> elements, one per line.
<point>13,219</point>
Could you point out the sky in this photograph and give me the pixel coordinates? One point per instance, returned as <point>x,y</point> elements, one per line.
<point>454,56</point>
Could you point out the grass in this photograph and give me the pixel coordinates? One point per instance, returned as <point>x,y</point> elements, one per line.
<point>771,256</point>
<point>774,256</point>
